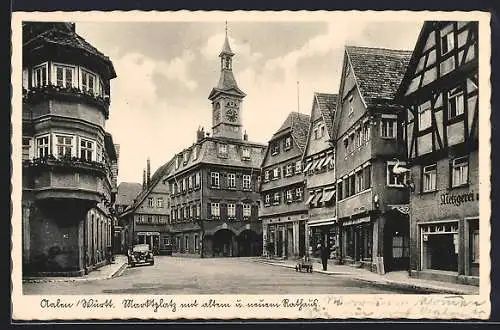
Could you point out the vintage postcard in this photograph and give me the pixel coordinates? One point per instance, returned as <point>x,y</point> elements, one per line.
<point>250,165</point>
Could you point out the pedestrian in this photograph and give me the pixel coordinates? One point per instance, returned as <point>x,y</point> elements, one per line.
<point>324,255</point>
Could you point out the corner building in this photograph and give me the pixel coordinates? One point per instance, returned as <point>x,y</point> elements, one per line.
<point>69,160</point>
<point>371,200</point>
<point>440,93</point>
<point>213,184</point>
<point>284,214</point>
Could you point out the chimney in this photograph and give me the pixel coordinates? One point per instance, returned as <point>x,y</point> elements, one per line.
<point>200,134</point>
<point>143,179</point>
<point>148,179</point>
<point>245,136</point>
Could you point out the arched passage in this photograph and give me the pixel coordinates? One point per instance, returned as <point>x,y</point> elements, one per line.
<point>224,243</point>
<point>249,243</point>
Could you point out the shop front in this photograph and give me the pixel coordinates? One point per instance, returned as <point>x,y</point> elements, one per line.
<point>149,237</point>
<point>358,241</point>
<point>285,239</point>
<point>325,233</point>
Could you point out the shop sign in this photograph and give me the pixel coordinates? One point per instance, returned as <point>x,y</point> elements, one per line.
<point>458,199</point>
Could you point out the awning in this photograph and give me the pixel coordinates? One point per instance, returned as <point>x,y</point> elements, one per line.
<point>315,163</point>
<point>317,198</point>
<point>308,201</point>
<point>320,163</point>
<point>355,221</point>
<point>328,196</point>
<point>328,160</point>
<point>322,222</point>
<point>308,166</point>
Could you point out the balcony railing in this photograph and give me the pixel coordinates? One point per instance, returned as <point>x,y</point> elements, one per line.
<point>74,94</point>
<point>65,162</point>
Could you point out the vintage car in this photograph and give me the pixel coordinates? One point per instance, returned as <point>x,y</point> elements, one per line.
<point>140,254</point>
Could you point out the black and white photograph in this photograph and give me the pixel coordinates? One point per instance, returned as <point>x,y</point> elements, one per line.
<point>250,165</point>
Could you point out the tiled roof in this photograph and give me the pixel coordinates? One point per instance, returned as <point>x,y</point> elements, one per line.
<point>208,154</point>
<point>378,71</point>
<point>299,124</point>
<point>127,192</point>
<point>159,173</point>
<point>327,104</point>
<point>69,39</point>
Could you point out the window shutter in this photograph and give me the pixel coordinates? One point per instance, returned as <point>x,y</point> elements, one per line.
<point>223,211</point>
<point>209,209</point>
<point>239,211</point>
<point>253,212</point>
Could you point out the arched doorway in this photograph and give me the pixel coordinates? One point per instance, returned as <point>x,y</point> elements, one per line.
<point>249,243</point>
<point>223,243</point>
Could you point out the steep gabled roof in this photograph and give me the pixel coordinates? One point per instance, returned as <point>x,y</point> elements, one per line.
<point>127,192</point>
<point>378,72</point>
<point>298,123</point>
<point>327,104</point>
<point>155,179</point>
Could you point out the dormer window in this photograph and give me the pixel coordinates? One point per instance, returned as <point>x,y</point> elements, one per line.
<point>246,153</point>
<point>223,149</point>
<point>177,162</point>
<point>185,157</point>
<point>65,75</point>
<point>88,81</point>
<point>195,152</point>
<point>275,149</point>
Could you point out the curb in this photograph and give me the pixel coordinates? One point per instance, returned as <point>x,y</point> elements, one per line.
<point>383,283</point>
<point>118,271</point>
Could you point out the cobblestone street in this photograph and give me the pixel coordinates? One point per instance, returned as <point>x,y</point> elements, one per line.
<point>175,275</point>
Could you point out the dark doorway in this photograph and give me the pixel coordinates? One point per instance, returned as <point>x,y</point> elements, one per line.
<point>248,243</point>
<point>442,252</point>
<point>223,243</point>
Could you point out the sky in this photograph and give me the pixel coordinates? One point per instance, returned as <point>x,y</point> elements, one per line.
<point>166,70</point>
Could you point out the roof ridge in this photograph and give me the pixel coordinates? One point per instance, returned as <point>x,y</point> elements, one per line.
<point>381,48</point>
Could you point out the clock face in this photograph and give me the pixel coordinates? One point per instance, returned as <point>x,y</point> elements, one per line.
<point>231,115</point>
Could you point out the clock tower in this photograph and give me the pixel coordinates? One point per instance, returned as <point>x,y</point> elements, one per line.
<point>226,99</point>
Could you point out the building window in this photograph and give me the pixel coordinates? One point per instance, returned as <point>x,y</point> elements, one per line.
<point>275,149</point>
<point>190,211</point>
<point>159,202</point>
<point>246,210</point>
<point>88,81</point>
<point>198,210</point>
<point>190,182</point>
<point>246,153</point>
<point>266,175</point>
<point>298,166</point>
<point>65,75</point>
<point>150,219</point>
<point>346,147</point>
<point>231,180</point>
<point>288,143</point>
<point>289,195</point>
<point>429,176</point>
<point>197,179</point>
<point>475,246</point>
<point>215,209</point>
<point>460,171</point>
<point>289,170</point>
<point>359,137</point>
<point>185,157</point>
<point>186,243</point>
<point>40,75</point>
<point>276,199</point>
<point>214,179</point>
<point>424,116</point>
<point>246,181</point>
<point>455,103</point>
<point>340,190</point>
<point>26,148</point>
<point>360,186</point>
<point>352,184</point>
<point>231,210</point>
<point>276,173</point>
<point>151,202</point>
<point>298,193</point>
<point>86,149</point>
<point>447,43</point>
<point>366,130</point>
<point>388,128</point>
<point>393,179</point>
<point>173,214</point>
<point>42,146</point>
<point>64,145</point>
<point>186,212</point>
<point>267,199</point>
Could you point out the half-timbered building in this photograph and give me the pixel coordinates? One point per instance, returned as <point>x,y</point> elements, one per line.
<point>369,145</point>
<point>440,93</point>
